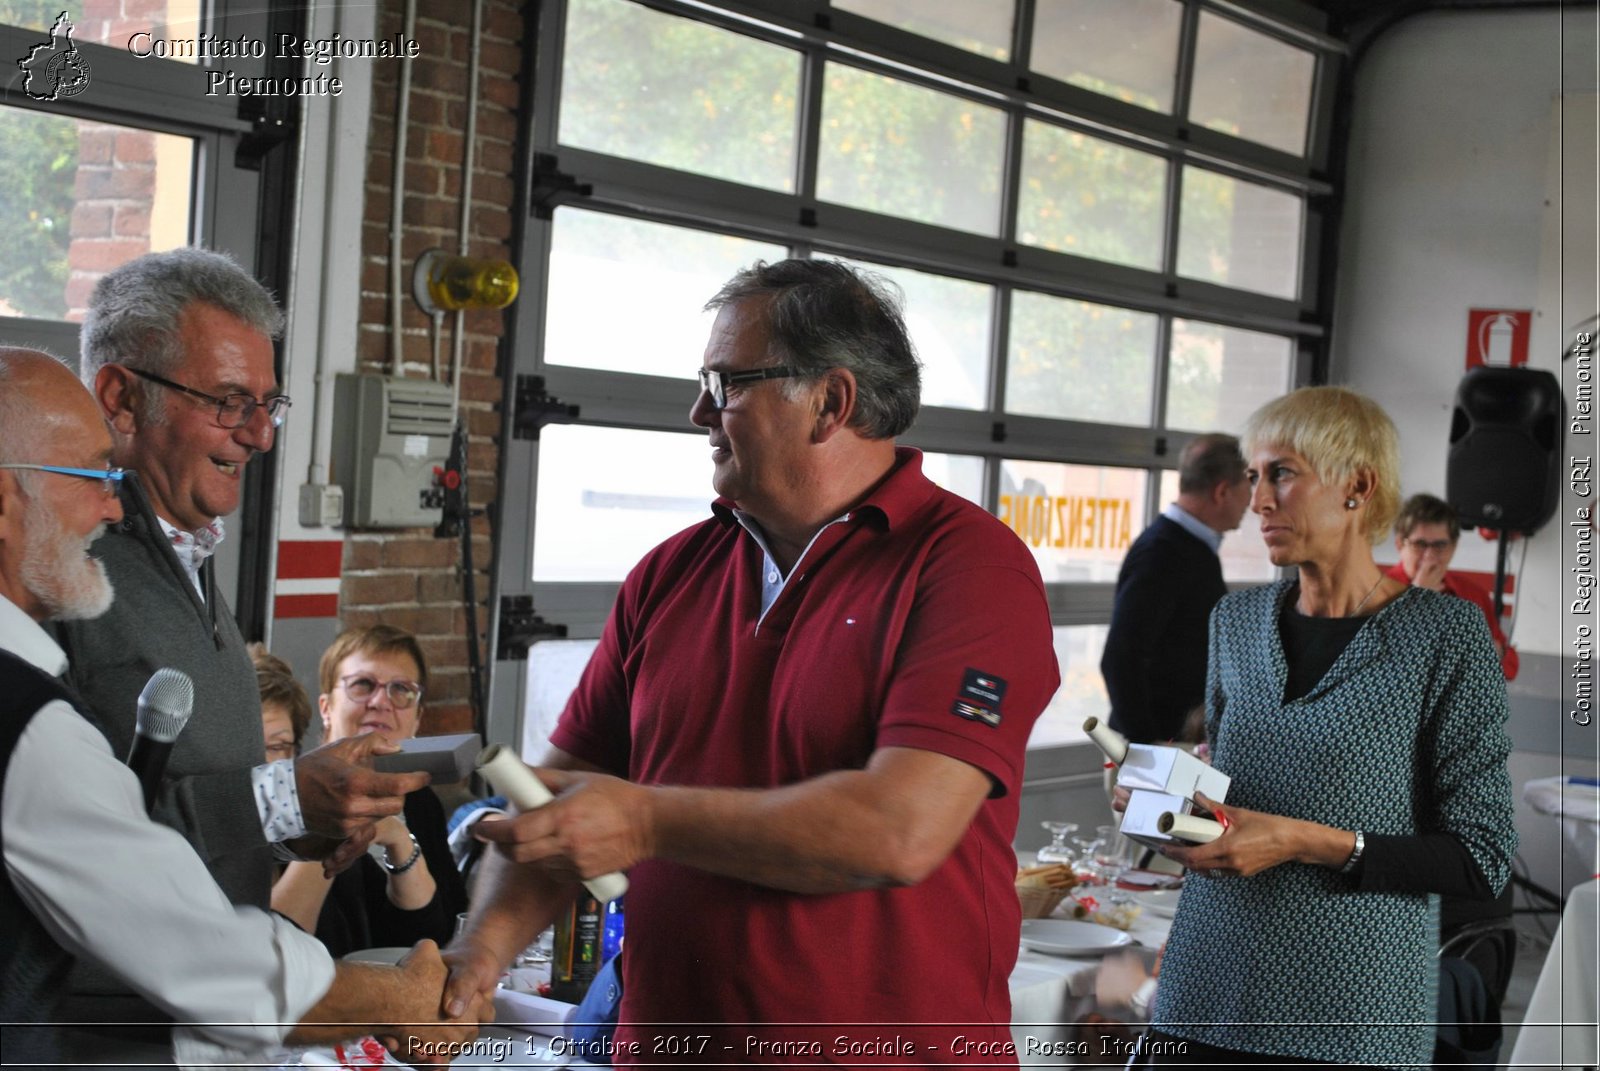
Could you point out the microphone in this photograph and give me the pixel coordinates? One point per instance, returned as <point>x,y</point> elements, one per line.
<point>164,709</point>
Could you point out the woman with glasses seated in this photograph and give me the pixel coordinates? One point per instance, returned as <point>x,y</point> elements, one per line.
<point>407,887</point>
<point>1425,535</point>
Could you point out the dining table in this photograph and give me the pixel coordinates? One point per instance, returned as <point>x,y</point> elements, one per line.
<point>1051,993</point>
<point>1562,1026</point>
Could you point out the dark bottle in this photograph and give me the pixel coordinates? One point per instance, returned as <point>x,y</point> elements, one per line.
<point>576,957</point>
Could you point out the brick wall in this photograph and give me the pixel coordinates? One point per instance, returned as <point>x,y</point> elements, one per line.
<point>408,578</point>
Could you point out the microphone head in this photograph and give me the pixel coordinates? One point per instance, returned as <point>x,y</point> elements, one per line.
<point>165,705</point>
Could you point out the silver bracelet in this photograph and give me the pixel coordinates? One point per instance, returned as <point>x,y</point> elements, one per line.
<point>416,853</point>
<point>1355,855</point>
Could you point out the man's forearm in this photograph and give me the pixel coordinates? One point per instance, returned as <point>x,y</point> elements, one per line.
<point>855,829</point>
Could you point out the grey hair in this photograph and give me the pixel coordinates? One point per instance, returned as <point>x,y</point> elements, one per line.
<point>821,314</point>
<point>1208,460</point>
<point>134,312</point>
<point>19,414</point>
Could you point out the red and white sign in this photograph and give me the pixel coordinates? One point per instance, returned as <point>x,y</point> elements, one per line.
<point>308,578</point>
<point>1498,337</point>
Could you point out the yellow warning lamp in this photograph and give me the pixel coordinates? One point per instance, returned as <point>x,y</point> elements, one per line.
<point>446,283</point>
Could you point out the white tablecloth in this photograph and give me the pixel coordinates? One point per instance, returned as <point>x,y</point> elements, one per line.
<point>1560,1029</point>
<point>1048,995</point>
<point>1578,807</point>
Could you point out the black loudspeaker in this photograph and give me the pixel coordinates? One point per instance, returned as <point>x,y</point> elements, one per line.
<point>1505,437</point>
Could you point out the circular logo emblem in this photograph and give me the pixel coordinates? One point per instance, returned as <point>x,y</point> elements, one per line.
<point>68,72</point>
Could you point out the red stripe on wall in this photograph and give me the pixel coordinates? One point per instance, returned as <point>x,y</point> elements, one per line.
<point>309,559</point>
<point>1486,580</point>
<point>305,606</point>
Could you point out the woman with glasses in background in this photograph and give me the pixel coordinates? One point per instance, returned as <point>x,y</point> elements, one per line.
<point>407,887</point>
<point>1425,535</point>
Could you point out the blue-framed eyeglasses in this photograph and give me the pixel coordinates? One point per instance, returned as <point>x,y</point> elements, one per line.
<point>109,478</point>
<point>717,383</point>
<point>233,410</point>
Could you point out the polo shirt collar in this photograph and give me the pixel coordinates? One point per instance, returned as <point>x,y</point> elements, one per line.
<point>897,496</point>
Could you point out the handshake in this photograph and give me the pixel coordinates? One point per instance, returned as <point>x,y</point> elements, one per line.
<point>402,1006</point>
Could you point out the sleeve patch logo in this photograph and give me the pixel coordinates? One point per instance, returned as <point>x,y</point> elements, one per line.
<point>979,698</point>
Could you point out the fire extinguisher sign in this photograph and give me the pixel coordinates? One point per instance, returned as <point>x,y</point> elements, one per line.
<point>1498,337</point>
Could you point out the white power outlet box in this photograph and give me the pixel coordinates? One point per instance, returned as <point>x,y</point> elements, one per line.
<point>321,505</point>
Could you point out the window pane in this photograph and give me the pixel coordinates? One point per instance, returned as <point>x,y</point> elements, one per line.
<point>1244,555</point>
<point>82,198</point>
<point>1078,519</point>
<point>981,26</point>
<point>1127,50</point>
<point>960,474</point>
<point>607,495</point>
<point>1251,85</point>
<point>670,91</point>
<point>1239,234</point>
<point>949,323</point>
<point>889,146</point>
<point>1083,691</point>
<point>171,26</point>
<point>663,274</point>
<point>1079,361</point>
<point>1091,197</point>
<point>1220,375</point>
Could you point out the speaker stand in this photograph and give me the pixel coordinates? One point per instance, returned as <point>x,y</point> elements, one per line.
<point>1500,573</point>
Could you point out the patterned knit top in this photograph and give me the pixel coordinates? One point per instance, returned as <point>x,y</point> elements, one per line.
<point>1404,735</point>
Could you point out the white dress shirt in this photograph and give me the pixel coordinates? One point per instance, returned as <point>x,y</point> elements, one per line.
<point>1194,526</point>
<point>110,884</point>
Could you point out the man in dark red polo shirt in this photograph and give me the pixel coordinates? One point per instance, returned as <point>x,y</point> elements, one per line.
<point>802,733</point>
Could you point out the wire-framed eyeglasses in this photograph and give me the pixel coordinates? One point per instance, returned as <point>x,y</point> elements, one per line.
<point>233,410</point>
<point>403,694</point>
<point>109,478</point>
<point>716,383</point>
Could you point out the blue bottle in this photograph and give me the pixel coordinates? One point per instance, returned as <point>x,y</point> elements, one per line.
<point>611,935</point>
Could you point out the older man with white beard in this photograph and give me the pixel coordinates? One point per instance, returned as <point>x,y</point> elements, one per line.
<point>86,871</point>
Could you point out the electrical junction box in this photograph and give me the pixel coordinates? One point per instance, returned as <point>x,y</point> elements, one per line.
<point>391,435</point>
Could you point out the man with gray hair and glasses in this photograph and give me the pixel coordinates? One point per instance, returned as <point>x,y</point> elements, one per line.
<point>177,350</point>
<point>87,873</point>
<point>802,733</point>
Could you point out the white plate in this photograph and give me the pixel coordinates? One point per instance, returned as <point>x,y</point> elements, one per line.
<point>1163,902</point>
<point>1064,937</point>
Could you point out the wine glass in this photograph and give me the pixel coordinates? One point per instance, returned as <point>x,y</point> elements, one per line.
<point>539,952</point>
<point>1084,863</point>
<point>1057,850</point>
<point>1110,855</point>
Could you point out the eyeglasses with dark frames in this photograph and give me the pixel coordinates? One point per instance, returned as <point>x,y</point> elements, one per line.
<point>716,383</point>
<point>109,478</point>
<point>233,410</point>
<point>403,694</point>
<point>1422,546</point>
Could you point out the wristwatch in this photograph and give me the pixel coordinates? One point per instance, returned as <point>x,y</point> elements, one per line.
<point>1355,854</point>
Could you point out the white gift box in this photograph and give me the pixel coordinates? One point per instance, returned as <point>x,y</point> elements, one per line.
<point>1163,779</point>
<point>1171,770</point>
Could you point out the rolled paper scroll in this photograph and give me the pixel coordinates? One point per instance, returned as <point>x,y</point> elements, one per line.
<point>1188,827</point>
<point>517,783</point>
<point>1113,743</point>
